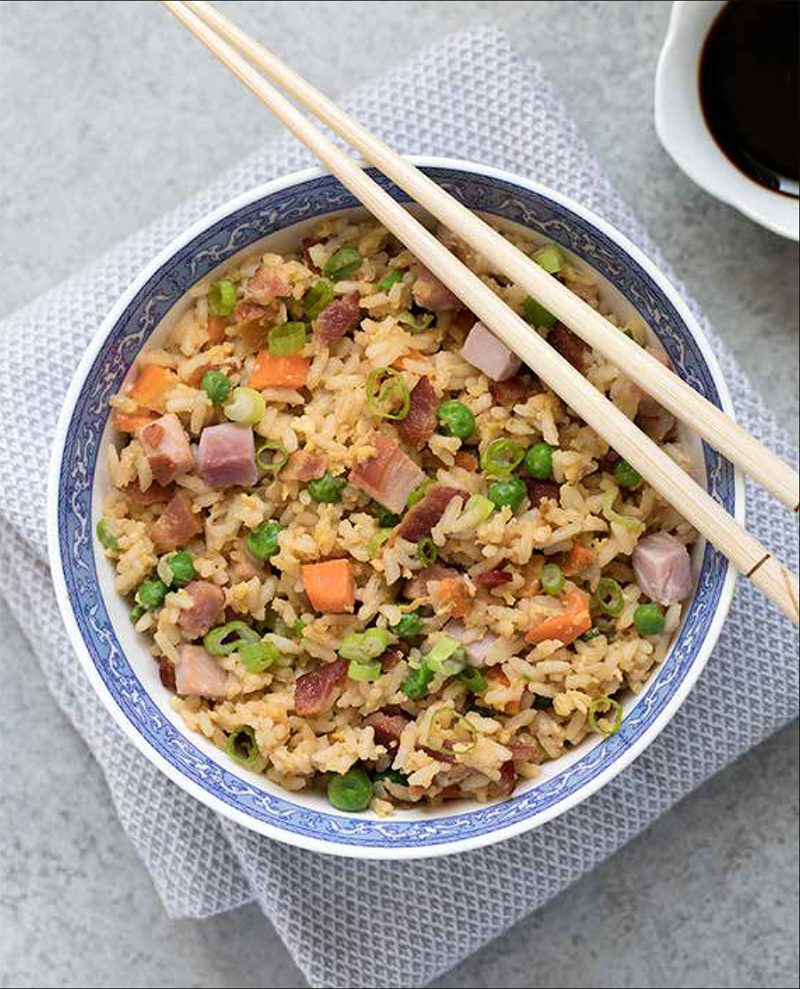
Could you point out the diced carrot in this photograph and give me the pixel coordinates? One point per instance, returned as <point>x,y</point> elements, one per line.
<point>580,557</point>
<point>152,385</point>
<point>269,371</point>
<point>330,586</point>
<point>216,328</point>
<point>131,422</point>
<point>568,624</point>
<point>412,355</point>
<point>451,595</point>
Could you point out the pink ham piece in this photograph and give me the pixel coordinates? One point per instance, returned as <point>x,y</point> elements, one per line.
<point>419,520</point>
<point>176,525</point>
<point>417,587</point>
<point>267,284</point>
<point>315,692</point>
<point>154,494</point>
<point>432,294</point>
<point>488,354</point>
<point>338,318</point>
<point>198,674</point>
<point>167,449</point>
<point>207,601</point>
<point>420,422</point>
<point>303,466</point>
<point>663,568</point>
<point>226,455</point>
<point>389,476</point>
<point>477,650</point>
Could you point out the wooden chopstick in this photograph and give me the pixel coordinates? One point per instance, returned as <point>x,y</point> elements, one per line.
<point>694,503</point>
<point>676,395</point>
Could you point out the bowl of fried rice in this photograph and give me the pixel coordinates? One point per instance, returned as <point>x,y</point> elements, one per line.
<point>339,564</point>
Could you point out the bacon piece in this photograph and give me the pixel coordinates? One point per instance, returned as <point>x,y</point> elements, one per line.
<point>198,674</point>
<point>304,466</point>
<point>249,312</point>
<point>466,460</point>
<point>571,347</point>
<point>417,587</point>
<point>539,490</point>
<point>419,520</point>
<point>338,318</point>
<point>420,422</point>
<point>166,674</point>
<point>389,476</point>
<point>388,728</point>
<point>155,493</point>
<point>432,294</point>
<point>493,578</point>
<point>523,752</point>
<point>513,391</point>
<point>315,692</point>
<point>207,601</point>
<point>391,658</point>
<point>267,284</point>
<point>176,525</point>
<point>508,779</point>
<point>306,244</point>
<point>167,449</point>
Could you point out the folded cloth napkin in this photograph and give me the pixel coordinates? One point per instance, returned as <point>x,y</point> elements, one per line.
<point>470,96</point>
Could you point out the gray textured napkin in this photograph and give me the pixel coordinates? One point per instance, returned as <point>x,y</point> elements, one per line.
<point>471,97</point>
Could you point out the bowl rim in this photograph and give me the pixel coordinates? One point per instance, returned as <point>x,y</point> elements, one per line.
<point>328,845</point>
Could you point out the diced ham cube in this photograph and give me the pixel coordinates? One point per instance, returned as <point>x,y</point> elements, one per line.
<point>198,674</point>
<point>176,525</point>
<point>432,294</point>
<point>303,466</point>
<point>207,602</point>
<point>490,355</point>
<point>419,520</point>
<point>167,449</point>
<point>315,692</point>
<point>663,568</point>
<point>226,455</point>
<point>389,476</point>
<point>420,422</point>
<point>154,494</point>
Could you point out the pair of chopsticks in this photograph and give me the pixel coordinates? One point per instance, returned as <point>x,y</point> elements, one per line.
<point>242,54</point>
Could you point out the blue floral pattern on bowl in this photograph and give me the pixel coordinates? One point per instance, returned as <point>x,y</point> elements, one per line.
<point>314,197</point>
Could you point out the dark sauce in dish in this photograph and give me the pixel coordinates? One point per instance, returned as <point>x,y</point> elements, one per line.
<point>750,92</point>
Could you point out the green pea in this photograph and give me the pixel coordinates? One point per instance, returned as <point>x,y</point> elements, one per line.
<point>181,567</point>
<point>387,519</point>
<point>509,492</point>
<point>136,613</point>
<point>151,593</point>
<point>216,386</point>
<point>536,314</point>
<point>342,263</point>
<point>456,419</point>
<point>649,619</point>
<point>392,776</point>
<point>262,543</point>
<point>327,490</point>
<point>539,461</point>
<point>352,791</point>
<point>416,683</point>
<point>626,476</point>
<point>391,278</point>
<point>409,626</point>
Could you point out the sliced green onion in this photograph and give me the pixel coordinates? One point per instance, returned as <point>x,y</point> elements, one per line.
<point>536,314</point>
<point>591,634</point>
<point>474,680</point>
<point>259,656</point>
<point>427,551</point>
<point>649,619</point>
<point>364,646</point>
<point>287,338</point>
<point>414,324</point>
<point>376,541</point>
<point>552,579</point>
<point>262,543</point>
<point>352,791</point>
<point>387,519</point>
<point>550,257</point>
<point>447,657</point>
<point>479,505</point>
<point>389,279</point>
<point>342,263</point>
<point>415,685</point>
<point>409,626</point>
<point>604,727</point>
<point>391,776</point>
<point>501,456</point>
<point>419,493</point>
<point>364,672</point>
<point>317,298</point>
<point>106,540</point>
<point>276,453</point>
<point>608,597</point>
<point>219,642</point>
<point>387,394</point>
<point>222,297</point>
<point>241,746</point>
<point>633,524</point>
<point>246,405</point>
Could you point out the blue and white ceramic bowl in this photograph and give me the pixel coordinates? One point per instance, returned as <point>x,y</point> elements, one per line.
<point>116,660</point>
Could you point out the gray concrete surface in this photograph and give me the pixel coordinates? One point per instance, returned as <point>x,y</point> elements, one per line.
<point>94,143</point>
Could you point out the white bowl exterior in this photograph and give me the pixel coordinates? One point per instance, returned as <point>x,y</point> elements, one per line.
<point>682,129</point>
<point>148,676</point>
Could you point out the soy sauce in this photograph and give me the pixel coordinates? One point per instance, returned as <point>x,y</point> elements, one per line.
<point>750,91</point>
